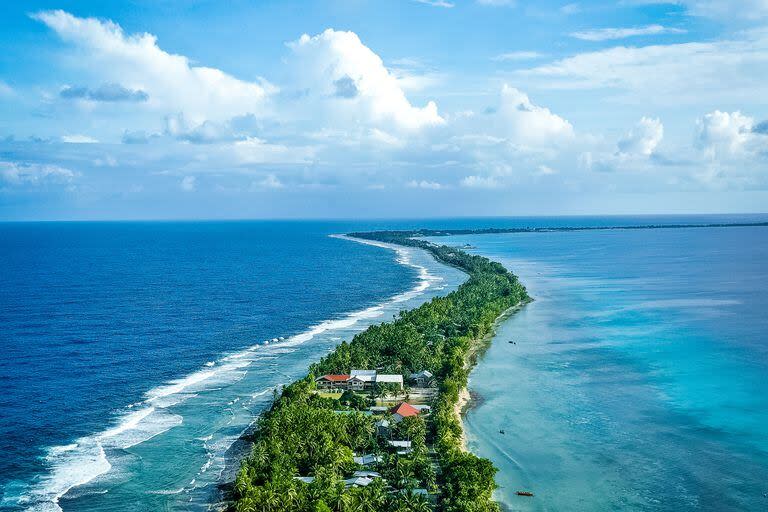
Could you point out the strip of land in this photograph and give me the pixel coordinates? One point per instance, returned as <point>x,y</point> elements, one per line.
<point>374,426</point>
<point>408,237</point>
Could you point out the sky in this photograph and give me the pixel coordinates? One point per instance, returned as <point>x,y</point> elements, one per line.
<point>201,109</point>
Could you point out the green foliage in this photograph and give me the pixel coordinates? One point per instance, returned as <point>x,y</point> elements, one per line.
<point>302,435</point>
<point>353,400</point>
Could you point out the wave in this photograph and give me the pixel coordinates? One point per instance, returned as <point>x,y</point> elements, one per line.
<point>87,459</point>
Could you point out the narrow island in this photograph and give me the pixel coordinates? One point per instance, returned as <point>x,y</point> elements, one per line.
<point>375,425</point>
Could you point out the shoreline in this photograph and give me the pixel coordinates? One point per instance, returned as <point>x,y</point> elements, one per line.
<point>162,399</point>
<point>295,437</point>
<point>467,398</point>
<point>240,448</point>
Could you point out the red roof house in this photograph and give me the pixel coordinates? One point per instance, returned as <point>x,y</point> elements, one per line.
<point>332,381</point>
<point>403,410</point>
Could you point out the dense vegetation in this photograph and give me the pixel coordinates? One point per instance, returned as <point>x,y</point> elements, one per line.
<point>305,434</point>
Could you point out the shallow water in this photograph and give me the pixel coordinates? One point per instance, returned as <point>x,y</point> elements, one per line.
<point>638,377</point>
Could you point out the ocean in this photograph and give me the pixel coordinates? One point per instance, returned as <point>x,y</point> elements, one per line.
<point>637,379</point>
<point>134,355</point>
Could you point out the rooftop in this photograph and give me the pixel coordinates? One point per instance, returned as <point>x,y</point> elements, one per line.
<point>405,410</point>
<point>334,378</point>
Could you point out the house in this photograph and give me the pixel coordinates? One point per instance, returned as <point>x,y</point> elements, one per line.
<point>390,379</point>
<point>367,459</point>
<point>403,410</point>
<point>357,380</point>
<point>403,447</point>
<point>367,474</point>
<point>360,481</point>
<point>332,381</point>
<point>423,409</point>
<point>422,379</point>
<point>382,428</point>
<point>366,378</point>
<point>356,383</point>
<point>305,479</point>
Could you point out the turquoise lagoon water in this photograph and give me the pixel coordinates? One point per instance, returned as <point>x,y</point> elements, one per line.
<point>638,379</point>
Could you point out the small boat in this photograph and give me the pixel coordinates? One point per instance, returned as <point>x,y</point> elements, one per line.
<point>525,493</point>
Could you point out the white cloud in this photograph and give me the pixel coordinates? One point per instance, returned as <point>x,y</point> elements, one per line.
<point>750,9</point>
<point>605,34</point>
<point>475,181</point>
<point>545,170</point>
<point>188,183</point>
<point>78,139</point>
<point>436,3</point>
<point>21,174</point>
<point>727,134</point>
<point>643,138</point>
<point>520,55</point>
<point>349,84</point>
<point>569,9</point>
<point>432,185</point>
<point>170,81</point>
<point>676,74</point>
<point>269,181</point>
<point>208,132</point>
<point>522,122</point>
<point>633,152</point>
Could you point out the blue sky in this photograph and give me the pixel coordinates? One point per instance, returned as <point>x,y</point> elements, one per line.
<point>248,109</point>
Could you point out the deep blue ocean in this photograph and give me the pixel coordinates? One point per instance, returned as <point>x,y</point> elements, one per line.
<point>134,355</point>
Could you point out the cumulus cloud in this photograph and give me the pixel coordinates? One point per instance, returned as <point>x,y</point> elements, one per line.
<point>475,181</point>
<point>350,84</point>
<point>78,139</point>
<point>188,184</point>
<point>523,122</point>
<point>633,152</point>
<point>726,134</point>
<point>432,185</point>
<point>643,138</point>
<point>605,34</point>
<point>207,132</point>
<point>269,181</point>
<point>105,92</point>
<point>171,82</point>
<point>32,174</point>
